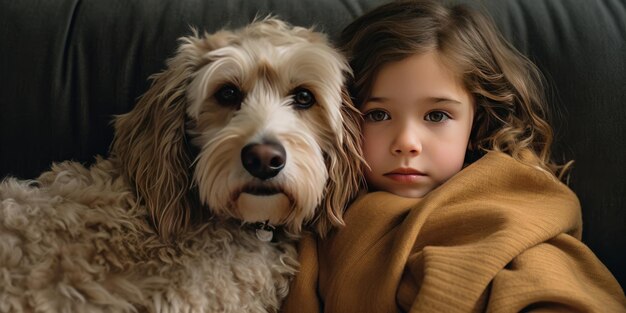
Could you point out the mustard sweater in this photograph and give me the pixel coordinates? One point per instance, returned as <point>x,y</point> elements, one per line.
<point>500,236</point>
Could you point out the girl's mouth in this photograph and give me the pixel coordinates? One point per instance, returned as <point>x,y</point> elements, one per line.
<point>406,175</point>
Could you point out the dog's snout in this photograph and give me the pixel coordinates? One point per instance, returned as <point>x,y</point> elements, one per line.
<point>263,160</point>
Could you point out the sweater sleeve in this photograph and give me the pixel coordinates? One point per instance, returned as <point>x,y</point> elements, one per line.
<point>559,275</point>
<point>302,297</point>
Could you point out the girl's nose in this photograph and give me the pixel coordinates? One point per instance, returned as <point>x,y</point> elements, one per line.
<point>406,142</point>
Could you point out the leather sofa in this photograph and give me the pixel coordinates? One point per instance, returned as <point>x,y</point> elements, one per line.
<point>68,66</point>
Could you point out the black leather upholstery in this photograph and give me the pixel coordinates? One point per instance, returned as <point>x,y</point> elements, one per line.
<point>67,66</point>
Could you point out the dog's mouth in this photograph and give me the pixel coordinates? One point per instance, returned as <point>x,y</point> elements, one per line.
<point>262,203</point>
<point>261,190</point>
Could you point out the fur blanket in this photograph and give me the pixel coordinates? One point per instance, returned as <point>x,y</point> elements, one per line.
<point>500,236</point>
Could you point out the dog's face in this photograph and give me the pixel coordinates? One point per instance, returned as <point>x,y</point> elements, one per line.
<point>263,111</point>
<point>252,124</point>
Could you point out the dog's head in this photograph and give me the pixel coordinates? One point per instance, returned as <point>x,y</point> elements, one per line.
<point>253,124</point>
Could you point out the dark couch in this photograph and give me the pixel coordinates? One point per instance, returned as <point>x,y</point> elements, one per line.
<point>68,66</point>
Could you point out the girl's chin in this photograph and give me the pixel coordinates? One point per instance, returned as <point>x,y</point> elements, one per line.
<point>406,192</point>
<point>403,188</point>
<point>411,192</point>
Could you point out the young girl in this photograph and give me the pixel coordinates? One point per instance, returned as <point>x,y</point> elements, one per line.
<point>464,211</point>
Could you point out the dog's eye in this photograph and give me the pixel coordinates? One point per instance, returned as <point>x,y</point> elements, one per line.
<point>303,98</point>
<point>229,95</point>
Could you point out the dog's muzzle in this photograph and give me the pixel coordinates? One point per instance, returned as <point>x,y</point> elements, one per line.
<point>263,200</point>
<point>263,160</point>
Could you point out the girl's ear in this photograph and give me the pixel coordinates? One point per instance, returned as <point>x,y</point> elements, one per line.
<point>344,167</point>
<point>151,145</point>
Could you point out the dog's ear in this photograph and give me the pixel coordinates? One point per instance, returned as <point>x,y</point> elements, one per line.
<point>151,144</point>
<point>344,169</point>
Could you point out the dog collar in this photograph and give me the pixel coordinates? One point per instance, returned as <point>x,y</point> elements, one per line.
<point>264,231</point>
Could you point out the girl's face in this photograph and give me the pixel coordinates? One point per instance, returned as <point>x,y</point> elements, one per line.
<point>417,125</point>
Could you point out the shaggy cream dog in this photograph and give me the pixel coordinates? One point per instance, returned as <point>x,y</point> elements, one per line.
<point>245,139</point>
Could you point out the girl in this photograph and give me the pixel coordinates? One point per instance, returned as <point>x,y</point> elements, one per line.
<point>464,211</point>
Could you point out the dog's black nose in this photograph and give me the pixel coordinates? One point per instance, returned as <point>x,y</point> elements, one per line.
<point>263,160</point>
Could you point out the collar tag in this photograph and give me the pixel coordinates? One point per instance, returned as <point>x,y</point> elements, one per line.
<point>264,231</point>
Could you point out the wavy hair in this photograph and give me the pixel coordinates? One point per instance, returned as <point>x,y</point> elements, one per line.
<point>508,89</point>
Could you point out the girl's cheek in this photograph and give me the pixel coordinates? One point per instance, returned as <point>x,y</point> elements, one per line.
<point>450,157</point>
<point>373,143</point>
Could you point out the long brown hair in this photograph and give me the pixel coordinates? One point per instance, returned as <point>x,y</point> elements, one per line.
<point>508,89</point>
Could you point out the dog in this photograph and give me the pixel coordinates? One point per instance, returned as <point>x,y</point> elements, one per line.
<point>247,138</point>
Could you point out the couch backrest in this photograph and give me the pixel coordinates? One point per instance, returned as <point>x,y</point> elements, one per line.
<point>68,66</point>
<point>580,46</point>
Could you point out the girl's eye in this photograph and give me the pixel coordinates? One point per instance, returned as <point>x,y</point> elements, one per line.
<point>437,116</point>
<point>377,116</point>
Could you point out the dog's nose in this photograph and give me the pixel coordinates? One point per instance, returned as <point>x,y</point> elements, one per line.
<point>263,160</point>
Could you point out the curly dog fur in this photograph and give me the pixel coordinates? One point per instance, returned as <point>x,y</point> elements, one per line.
<point>244,126</point>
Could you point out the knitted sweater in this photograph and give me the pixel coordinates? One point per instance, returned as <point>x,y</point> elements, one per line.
<point>500,236</point>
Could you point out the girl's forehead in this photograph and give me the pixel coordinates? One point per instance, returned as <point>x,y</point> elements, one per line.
<point>425,73</point>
